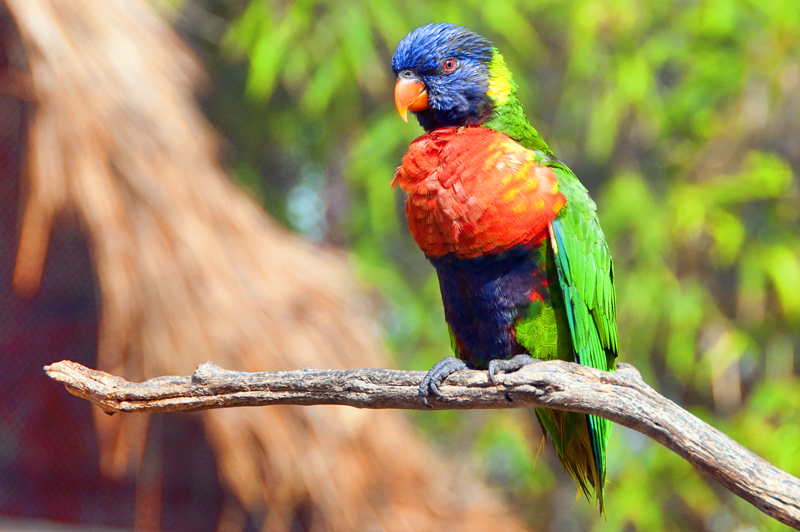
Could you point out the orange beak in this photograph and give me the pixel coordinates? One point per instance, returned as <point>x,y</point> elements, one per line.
<point>409,95</point>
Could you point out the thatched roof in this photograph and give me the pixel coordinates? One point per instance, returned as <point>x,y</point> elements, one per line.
<point>191,269</point>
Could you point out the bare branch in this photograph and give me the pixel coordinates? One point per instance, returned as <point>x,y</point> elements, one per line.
<point>622,397</point>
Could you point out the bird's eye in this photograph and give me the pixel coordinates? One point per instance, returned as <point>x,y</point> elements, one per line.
<point>448,64</point>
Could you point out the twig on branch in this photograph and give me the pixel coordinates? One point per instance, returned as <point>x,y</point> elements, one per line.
<point>622,397</point>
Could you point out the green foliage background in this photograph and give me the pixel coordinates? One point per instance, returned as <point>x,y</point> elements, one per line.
<point>681,117</point>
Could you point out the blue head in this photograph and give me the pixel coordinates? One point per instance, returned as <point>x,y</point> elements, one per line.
<point>443,76</point>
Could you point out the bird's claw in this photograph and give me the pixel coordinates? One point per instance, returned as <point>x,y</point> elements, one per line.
<point>505,366</point>
<point>436,375</point>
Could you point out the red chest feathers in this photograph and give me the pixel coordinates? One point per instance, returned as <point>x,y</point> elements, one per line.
<point>474,191</point>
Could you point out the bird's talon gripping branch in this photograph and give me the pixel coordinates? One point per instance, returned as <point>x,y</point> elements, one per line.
<point>506,366</point>
<point>438,373</point>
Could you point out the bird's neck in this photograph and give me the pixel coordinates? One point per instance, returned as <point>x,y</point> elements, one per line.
<point>508,116</point>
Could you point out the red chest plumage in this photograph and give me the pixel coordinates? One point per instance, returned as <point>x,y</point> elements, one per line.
<point>474,191</point>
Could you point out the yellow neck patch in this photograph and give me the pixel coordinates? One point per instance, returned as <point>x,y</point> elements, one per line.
<point>501,87</point>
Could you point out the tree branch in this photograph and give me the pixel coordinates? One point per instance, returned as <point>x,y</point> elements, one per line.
<point>621,396</point>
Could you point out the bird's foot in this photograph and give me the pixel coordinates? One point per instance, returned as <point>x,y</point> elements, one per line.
<point>505,366</point>
<point>439,372</point>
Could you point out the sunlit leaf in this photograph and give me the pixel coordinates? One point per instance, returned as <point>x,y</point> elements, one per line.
<point>783,267</point>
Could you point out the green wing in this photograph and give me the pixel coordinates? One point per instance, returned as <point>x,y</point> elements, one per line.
<point>586,276</point>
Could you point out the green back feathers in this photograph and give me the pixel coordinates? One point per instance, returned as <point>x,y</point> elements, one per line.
<point>585,268</point>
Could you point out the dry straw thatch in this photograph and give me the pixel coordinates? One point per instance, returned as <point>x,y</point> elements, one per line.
<point>191,269</point>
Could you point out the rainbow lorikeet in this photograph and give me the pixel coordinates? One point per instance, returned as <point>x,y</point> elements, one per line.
<point>523,266</point>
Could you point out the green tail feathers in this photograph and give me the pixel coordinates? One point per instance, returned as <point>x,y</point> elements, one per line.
<point>582,455</point>
<point>599,430</point>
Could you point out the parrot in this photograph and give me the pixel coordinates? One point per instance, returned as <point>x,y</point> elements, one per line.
<point>524,269</point>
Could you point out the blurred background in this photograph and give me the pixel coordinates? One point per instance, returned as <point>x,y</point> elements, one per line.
<point>126,245</point>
